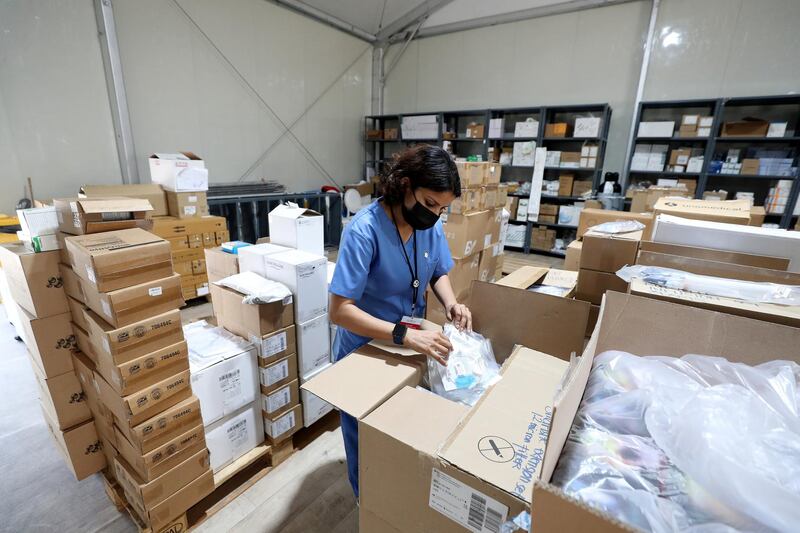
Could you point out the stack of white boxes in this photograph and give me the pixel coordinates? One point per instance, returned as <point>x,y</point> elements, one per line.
<point>649,157</point>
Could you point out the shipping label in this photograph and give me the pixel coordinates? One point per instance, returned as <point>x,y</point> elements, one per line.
<point>231,385</point>
<point>278,399</point>
<point>237,434</point>
<point>282,425</point>
<point>273,345</point>
<point>155,291</point>
<point>275,373</point>
<point>464,505</point>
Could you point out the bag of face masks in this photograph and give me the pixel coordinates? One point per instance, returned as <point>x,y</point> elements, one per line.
<point>471,367</point>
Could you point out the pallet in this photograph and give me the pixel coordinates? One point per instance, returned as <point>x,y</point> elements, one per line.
<point>117,497</point>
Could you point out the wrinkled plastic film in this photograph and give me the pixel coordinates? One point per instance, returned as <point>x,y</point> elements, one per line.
<point>257,290</point>
<point>690,444</point>
<point>471,367</point>
<point>748,291</point>
<point>618,226</point>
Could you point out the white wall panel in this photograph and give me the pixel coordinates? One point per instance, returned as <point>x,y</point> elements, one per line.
<point>57,118</point>
<point>183,95</point>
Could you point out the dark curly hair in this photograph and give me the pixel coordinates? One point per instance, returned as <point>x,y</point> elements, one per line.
<point>424,165</point>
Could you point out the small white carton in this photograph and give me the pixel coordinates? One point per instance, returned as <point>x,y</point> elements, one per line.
<point>314,407</point>
<point>306,275</point>
<point>234,436</point>
<point>181,172</point>
<point>297,227</point>
<point>251,258</point>
<point>313,346</point>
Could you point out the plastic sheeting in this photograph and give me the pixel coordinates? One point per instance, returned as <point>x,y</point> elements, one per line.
<point>257,290</point>
<point>690,444</point>
<point>471,367</point>
<point>618,226</point>
<point>210,344</point>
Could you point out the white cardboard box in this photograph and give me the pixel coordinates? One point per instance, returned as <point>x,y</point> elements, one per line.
<point>527,128</point>
<point>587,127</point>
<point>38,221</point>
<point>277,400</point>
<point>223,369</point>
<point>314,407</point>
<point>234,436</point>
<point>732,237</point>
<point>313,345</point>
<point>656,129</point>
<point>496,127</point>
<point>181,172</point>
<point>297,227</point>
<point>306,275</point>
<point>251,258</point>
<point>523,154</point>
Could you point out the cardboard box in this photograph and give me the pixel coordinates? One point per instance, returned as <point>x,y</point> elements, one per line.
<point>163,458</point>
<point>119,259</point>
<point>251,258</point>
<point>488,262</point>
<point>50,341</point>
<point>278,373</point>
<point>145,403</point>
<point>220,264</point>
<point>472,174</point>
<point>644,200</point>
<point>593,217</point>
<point>71,283</point>
<point>592,285</point>
<point>745,128</point>
<point>314,407</point>
<point>173,227</point>
<point>176,505</point>
<point>139,373</point>
<point>625,324</point>
<point>34,280</point>
<point>463,273</point>
<point>722,256</point>
<point>139,339</point>
<point>475,131</point>
<point>284,426</point>
<point>757,215</point>
<point>280,400</point>
<point>466,234</point>
<point>680,156</point>
<point>80,446</point>
<point>707,267</point>
<point>163,427</point>
<point>306,276</point>
<point>573,257</point>
<point>234,436</point>
<point>656,129</point>
<point>565,182</point>
<point>77,311</point>
<point>64,398</point>
<point>594,314</point>
<point>182,172</point>
<point>313,345</point>
<point>750,166</point>
<point>730,211</point>
<point>123,307</point>
<point>276,345</point>
<point>489,197</point>
<point>149,495</point>
<point>250,321</point>
<point>152,192</point>
<point>224,382</point>
<point>557,129</point>
<point>187,204</point>
<point>609,253</point>
<point>297,227</point>
<point>492,174</point>
<point>468,202</point>
<point>390,133</point>
<point>580,187</point>
<point>78,216</point>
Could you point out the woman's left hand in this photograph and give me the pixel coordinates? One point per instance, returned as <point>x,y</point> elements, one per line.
<point>461,316</point>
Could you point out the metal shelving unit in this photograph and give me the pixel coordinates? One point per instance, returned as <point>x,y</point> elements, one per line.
<point>780,107</point>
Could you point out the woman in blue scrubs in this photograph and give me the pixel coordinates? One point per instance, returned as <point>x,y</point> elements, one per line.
<point>390,251</point>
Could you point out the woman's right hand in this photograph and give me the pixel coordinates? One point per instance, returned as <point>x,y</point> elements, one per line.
<point>431,343</point>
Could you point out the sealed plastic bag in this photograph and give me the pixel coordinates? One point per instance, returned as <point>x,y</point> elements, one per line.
<point>748,291</point>
<point>690,444</point>
<point>618,226</point>
<point>257,290</point>
<point>471,367</point>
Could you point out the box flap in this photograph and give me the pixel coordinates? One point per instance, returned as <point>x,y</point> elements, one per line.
<point>566,279</point>
<point>130,189</point>
<point>502,440</point>
<point>181,156</point>
<point>292,210</point>
<point>719,269</point>
<point>510,316</point>
<point>364,379</point>
<point>558,512</point>
<point>100,243</point>
<point>119,204</point>
<point>523,277</point>
<point>724,256</point>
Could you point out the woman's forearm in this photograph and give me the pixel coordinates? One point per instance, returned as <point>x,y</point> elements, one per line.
<point>346,314</point>
<point>444,292</point>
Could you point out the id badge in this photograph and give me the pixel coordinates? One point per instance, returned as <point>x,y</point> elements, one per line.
<point>411,322</point>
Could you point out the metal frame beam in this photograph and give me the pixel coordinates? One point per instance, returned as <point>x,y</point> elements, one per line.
<point>414,16</point>
<point>320,16</point>
<point>515,16</point>
<point>118,99</point>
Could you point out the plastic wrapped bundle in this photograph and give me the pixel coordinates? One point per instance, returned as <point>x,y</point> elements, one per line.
<point>689,444</point>
<point>471,367</point>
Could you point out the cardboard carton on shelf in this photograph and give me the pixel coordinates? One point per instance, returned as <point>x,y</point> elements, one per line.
<point>79,216</point>
<point>757,215</point>
<point>644,200</point>
<point>297,227</point>
<point>148,495</point>
<point>278,373</point>
<point>235,435</point>
<point>565,182</point>
<point>475,131</point>
<point>729,211</point>
<point>472,173</point>
<point>152,192</point>
<point>580,187</point>
<point>305,274</point>
<point>557,129</point>
<point>123,307</point>
<point>119,259</point>
<point>50,341</point>
<point>181,172</point>
<point>80,446</point>
<point>34,280</point>
<point>284,426</point>
<point>251,321</point>
<point>187,204</point>
<point>748,127</point>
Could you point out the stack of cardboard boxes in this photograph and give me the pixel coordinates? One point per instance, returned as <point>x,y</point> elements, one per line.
<point>125,298</point>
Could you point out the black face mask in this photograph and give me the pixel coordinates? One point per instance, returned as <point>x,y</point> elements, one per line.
<point>419,217</point>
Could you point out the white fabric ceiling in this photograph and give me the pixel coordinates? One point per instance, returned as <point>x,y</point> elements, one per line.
<point>372,15</point>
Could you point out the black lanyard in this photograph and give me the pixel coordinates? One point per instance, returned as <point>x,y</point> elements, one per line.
<point>415,270</point>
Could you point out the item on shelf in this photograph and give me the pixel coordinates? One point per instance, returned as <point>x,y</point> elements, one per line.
<point>420,127</point>
<point>557,129</point>
<point>552,158</point>
<point>496,128</point>
<point>715,195</point>
<point>390,133</point>
<point>644,200</point>
<point>374,134</point>
<point>524,153</point>
<point>778,198</point>
<point>746,195</point>
<point>695,164</point>
<point>569,215</point>
<point>565,182</point>
<point>587,127</point>
<point>570,160</point>
<point>522,210</point>
<point>581,187</point>
<point>542,238</point>
<point>688,127</point>
<point>181,172</point>
<point>550,188</point>
<point>777,129</point>
<point>475,130</point>
<point>528,128</point>
<point>449,135</point>
<point>656,129</point>
<point>506,156</point>
<point>747,127</point>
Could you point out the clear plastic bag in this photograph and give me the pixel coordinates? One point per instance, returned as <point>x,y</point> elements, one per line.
<point>257,290</point>
<point>690,444</point>
<point>618,226</point>
<point>748,291</point>
<point>471,367</point>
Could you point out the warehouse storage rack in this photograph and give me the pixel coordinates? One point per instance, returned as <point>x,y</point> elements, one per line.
<point>378,152</point>
<point>246,208</point>
<point>784,108</point>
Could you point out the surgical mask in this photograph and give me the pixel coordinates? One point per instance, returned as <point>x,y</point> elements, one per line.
<point>419,217</point>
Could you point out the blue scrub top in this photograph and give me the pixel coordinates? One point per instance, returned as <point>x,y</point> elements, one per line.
<point>372,270</point>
